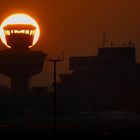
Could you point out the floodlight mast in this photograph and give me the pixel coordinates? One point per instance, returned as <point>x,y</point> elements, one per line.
<point>54,61</point>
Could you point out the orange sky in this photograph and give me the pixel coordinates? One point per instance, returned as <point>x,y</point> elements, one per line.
<point>76,26</point>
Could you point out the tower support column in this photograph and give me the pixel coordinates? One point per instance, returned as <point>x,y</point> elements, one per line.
<point>19,84</point>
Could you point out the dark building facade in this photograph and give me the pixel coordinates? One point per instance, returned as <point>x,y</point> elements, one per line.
<point>113,76</point>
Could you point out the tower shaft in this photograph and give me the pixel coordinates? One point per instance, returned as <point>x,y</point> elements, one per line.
<point>19,84</point>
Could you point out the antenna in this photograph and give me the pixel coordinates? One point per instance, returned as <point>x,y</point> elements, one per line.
<point>130,44</point>
<point>112,43</point>
<point>104,39</point>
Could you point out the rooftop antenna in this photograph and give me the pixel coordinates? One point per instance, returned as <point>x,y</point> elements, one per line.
<point>130,44</point>
<point>104,39</point>
<point>112,43</point>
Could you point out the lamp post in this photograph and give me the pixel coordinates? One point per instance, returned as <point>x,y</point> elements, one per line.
<point>55,61</point>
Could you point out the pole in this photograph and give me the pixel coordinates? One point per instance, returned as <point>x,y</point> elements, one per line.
<point>54,91</point>
<point>54,61</point>
<point>54,84</point>
<point>104,39</point>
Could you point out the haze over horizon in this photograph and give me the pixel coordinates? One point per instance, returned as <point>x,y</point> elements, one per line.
<point>76,27</point>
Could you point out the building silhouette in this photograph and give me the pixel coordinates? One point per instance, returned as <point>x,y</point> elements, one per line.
<point>111,77</point>
<point>109,81</point>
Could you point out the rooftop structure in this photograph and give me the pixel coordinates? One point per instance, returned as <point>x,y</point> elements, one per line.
<point>113,69</point>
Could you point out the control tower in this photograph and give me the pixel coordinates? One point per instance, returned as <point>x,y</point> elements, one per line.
<point>19,62</point>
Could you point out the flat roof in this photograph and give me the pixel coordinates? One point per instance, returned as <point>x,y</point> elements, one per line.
<point>19,27</point>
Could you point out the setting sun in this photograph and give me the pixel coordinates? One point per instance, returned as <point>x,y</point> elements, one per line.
<point>19,19</point>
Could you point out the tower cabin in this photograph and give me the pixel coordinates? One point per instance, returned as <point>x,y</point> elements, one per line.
<point>19,36</point>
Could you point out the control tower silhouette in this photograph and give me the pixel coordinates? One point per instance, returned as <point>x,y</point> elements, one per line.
<point>19,62</point>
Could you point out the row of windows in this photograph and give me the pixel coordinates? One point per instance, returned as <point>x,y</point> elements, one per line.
<point>29,32</point>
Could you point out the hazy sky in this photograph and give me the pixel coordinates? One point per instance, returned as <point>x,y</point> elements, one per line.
<point>76,26</point>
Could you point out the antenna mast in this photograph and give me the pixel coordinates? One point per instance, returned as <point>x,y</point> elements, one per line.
<point>104,39</point>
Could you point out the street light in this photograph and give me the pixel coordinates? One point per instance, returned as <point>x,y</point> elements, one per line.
<point>54,61</point>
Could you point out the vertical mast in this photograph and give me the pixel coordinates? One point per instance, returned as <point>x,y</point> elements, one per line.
<point>104,39</point>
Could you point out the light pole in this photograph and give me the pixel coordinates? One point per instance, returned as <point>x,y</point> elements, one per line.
<point>54,61</point>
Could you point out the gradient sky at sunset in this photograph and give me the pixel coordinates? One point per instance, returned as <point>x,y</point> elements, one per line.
<point>76,26</point>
